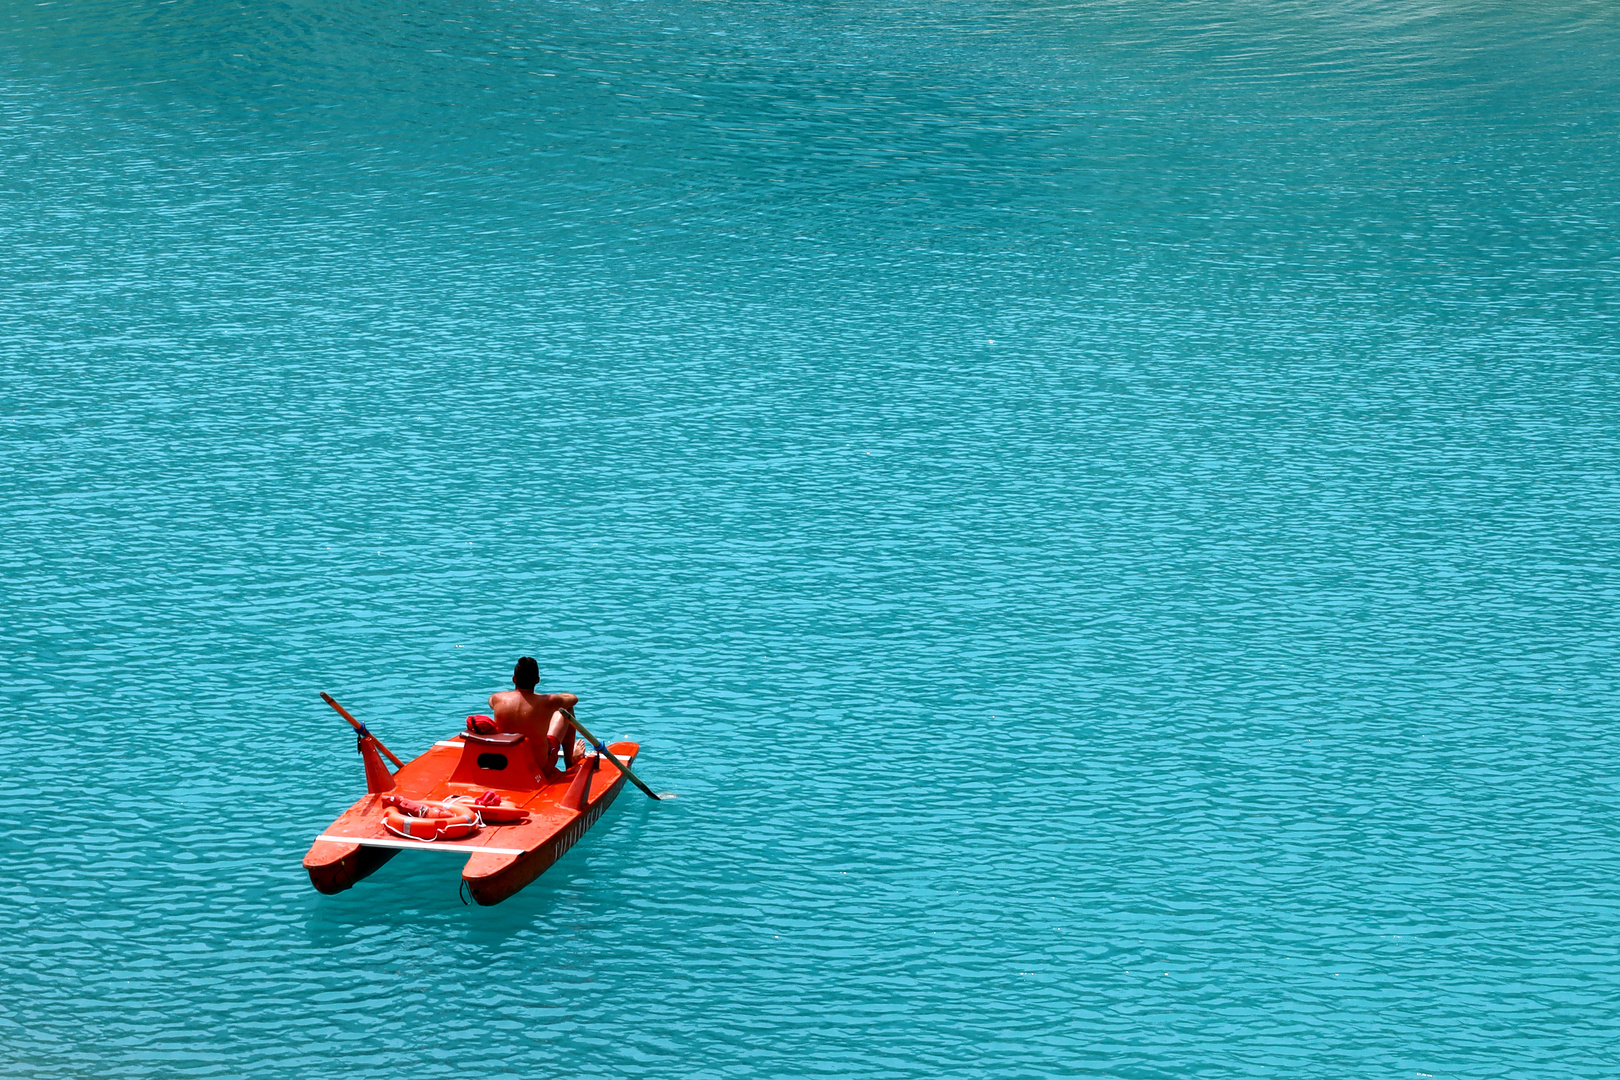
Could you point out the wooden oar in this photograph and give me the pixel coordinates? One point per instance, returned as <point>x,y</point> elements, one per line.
<point>361,728</point>
<point>605,752</point>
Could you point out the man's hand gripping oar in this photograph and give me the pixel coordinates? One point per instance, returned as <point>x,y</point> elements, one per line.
<point>605,752</point>
<point>361,728</point>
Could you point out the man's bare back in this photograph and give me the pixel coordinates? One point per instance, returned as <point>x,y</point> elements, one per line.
<point>536,715</point>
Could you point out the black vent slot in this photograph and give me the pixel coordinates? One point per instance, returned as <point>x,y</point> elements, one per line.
<point>494,762</point>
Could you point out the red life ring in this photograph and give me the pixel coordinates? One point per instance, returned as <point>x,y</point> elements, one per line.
<point>429,820</point>
<point>504,813</point>
<point>492,809</point>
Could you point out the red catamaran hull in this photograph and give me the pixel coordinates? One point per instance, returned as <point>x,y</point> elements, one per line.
<point>500,859</point>
<point>504,881</point>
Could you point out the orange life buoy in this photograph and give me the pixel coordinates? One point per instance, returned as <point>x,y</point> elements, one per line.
<point>504,814</point>
<point>432,821</point>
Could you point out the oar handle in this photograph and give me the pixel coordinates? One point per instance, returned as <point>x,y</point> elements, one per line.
<point>601,748</point>
<point>361,728</point>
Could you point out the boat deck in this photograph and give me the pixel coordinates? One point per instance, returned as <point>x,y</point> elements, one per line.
<point>500,858</point>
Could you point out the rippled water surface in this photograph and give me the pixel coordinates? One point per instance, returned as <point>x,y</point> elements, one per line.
<point>1106,516</point>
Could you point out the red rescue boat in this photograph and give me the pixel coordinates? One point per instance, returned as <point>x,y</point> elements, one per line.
<point>539,815</point>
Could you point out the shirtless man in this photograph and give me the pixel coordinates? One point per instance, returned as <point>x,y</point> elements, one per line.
<point>537,715</point>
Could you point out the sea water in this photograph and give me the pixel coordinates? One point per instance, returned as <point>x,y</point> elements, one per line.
<point>1105,515</point>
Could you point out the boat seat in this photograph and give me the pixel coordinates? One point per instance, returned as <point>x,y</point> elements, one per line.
<point>505,738</point>
<point>504,761</point>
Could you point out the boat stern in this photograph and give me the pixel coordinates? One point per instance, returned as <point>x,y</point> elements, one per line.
<point>335,865</point>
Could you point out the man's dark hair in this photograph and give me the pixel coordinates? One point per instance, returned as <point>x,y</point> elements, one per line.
<point>526,674</point>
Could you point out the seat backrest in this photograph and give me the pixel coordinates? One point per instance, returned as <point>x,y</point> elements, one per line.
<point>498,761</point>
<point>505,738</point>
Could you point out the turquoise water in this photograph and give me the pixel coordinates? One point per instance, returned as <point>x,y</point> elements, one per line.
<point>1104,515</point>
